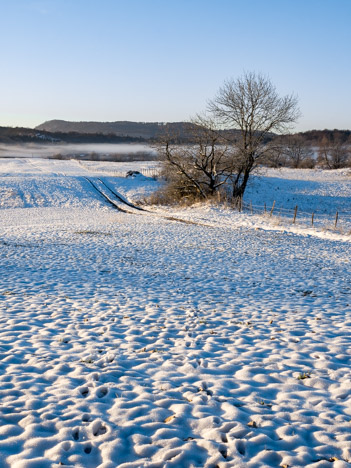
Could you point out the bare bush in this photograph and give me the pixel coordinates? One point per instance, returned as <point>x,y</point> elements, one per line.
<point>334,154</point>
<point>196,171</point>
<point>275,156</point>
<point>298,153</point>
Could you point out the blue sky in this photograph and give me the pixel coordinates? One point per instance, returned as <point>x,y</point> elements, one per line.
<point>162,60</point>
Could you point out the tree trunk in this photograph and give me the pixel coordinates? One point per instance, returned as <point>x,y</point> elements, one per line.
<point>240,186</point>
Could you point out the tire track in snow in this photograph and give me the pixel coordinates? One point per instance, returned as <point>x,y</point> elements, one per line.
<point>121,199</point>
<point>106,197</point>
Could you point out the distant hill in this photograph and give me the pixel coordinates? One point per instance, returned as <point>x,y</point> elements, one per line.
<point>24,135</point>
<point>151,130</point>
<point>63,131</point>
<point>143,130</point>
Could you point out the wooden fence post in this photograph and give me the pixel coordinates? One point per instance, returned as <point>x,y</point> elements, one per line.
<point>272,208</point>
<point>312,219</point>
<point>295,214</point>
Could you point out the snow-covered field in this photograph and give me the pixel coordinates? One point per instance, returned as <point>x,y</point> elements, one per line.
<point>133,340</point>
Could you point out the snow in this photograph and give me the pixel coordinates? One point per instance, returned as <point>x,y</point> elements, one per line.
<point>131,339</point>
<point>318,191</point>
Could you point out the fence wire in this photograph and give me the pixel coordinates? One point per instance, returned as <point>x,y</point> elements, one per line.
<point>316,218</point>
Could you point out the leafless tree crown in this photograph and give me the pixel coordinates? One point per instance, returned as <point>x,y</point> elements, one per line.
<point>251,104</point>
<point>200,169</point>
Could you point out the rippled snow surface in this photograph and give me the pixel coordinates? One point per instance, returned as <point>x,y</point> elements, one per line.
<point>132,340</point>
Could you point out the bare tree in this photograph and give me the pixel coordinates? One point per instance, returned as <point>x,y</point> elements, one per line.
<point>200,169</point>
<point>298,153</point>
<point>333,154</point>
<point>252,105</point>
<point>274,155</point>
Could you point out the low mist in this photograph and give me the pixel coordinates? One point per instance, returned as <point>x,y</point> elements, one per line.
<point>89,151</point>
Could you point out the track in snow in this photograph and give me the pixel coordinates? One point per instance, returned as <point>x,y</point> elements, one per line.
<point>107,193</point>
<point>106,196</point>
<point>120,198</point>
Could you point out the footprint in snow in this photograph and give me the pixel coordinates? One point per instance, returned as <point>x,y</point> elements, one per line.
<point>240,446</point>
<point>102,392</point>
<point>98,428</point>
<point>84,391</point>
<point>224,453</point>
<point>86,417</point>
<point>87,449</point>
<point>66,446</point>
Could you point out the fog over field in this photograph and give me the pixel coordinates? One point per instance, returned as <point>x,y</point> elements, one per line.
<point>38,150</point>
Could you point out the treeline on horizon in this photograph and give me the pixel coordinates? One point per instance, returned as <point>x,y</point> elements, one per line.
<point>17,135</point>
